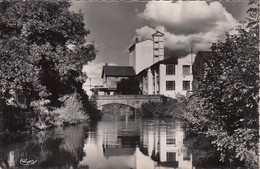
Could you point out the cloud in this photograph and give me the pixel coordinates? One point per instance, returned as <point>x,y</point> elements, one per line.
<point>187,23</point>
<point>188,17</point>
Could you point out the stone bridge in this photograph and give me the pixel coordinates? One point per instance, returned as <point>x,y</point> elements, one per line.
<point>134,101</point>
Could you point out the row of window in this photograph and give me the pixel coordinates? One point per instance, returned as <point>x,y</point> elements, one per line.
<point>170,85</point>
<point>158,45</point>
<point>170,69</point>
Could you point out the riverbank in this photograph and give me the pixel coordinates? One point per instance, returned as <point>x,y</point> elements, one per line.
<point>17,121</point>
<point>236,148</point>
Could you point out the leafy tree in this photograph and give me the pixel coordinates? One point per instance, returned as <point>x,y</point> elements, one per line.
<point>43,49</point>
<point>128,86</point>
<point>225,106</point>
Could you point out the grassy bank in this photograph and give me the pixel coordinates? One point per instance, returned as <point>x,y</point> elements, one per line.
<point>40,116</point>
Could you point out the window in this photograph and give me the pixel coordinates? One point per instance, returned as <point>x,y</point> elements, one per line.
<point>156,44</point>
<point>171,156</point>
<point>170,85</point>
<point>156,52</point>
<point>170,137</point>
<point>160,44</point>
<point>186,85</point>
<point>170,141</point>
<point>160,51</point>
<point>170,69</point>
<point>186,69</point>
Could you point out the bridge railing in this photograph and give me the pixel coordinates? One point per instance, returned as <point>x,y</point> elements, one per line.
<point>127,96</point>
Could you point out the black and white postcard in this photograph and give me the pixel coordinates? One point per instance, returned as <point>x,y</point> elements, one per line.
<point>129,84</point>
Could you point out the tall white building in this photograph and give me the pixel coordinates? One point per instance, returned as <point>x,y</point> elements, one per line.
<point>143,54</point>
<point>169,77</point>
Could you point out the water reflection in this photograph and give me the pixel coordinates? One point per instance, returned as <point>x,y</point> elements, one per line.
<point>138,144</point>
<point>122,143</point>
<point>56,148</point>
<point>163,142</point>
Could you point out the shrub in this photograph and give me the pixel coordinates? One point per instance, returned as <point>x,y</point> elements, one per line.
<point>170,108</point>
<point>71,112</point>
<point>149,110</point>
<point>17,119</point>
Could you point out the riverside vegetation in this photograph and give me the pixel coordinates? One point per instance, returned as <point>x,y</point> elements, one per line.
<point>223,111</point>
<point>43,50</point>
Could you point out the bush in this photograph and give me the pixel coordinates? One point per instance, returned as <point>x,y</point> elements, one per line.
<point>41,116</point>
<point>17,119</point>
<point>71,112</point>
<point>170,108</point>
<point>92,111</point>
<point>149,110</point>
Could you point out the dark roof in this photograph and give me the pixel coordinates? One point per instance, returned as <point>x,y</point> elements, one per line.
<point>157,33</point>
<point>170,60</point>
<point>118,71</point>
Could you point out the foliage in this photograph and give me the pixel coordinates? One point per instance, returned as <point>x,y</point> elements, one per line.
<point>128,86</point>
<point>170,108</point>
<point>225,106</point>
<point>203,155</point>
<point>149,110</point>
<point>43,49</point>
<point>71,112</point>
<point>17,119</point>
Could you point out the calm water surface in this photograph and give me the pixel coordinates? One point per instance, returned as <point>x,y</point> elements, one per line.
<point>113,143</point>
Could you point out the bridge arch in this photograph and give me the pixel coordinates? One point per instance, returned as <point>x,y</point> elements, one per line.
<point>134,101</point>
<point>101,105</point>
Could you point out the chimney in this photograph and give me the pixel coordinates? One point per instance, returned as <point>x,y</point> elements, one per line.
<point>136,40</point>
<point>106,64</point>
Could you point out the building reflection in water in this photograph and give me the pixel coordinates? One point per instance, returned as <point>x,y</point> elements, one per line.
<point>121,143</point>
<point>137,144</point>
<point>163,142</point>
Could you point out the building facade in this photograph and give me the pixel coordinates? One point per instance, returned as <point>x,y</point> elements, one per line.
<point>143,54</point>
<point>157,75</point>
<point>111,75</point>
<point>169,77</point>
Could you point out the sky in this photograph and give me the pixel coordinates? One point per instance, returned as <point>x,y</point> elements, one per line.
<point>114,25</point>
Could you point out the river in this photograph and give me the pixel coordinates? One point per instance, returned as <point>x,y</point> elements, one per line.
<point>120,142</point>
